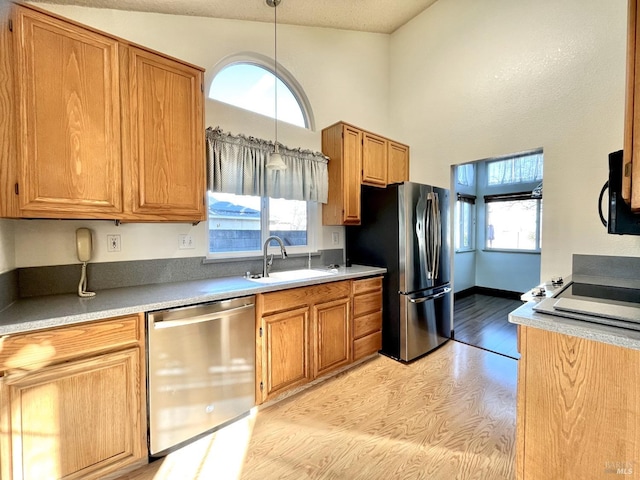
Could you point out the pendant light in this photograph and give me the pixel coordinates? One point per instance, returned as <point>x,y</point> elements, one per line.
<point>275,161</point>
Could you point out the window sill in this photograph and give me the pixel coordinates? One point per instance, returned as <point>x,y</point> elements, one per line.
<point>253,256</point>
<point>507,250</point>
<point>465,251</point>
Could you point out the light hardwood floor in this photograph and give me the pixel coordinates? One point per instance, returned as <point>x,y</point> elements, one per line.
<point>449,415</point>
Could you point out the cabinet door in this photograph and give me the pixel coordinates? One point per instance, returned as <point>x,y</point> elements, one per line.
<point>578,407</point>
<point>352,157</point>
<point>398,166</point>
<point>69,119</point>
<point>285,351</point>
<point>631,152</point>
<point>75,420</point>
<point>332,334</point>
<point>374,160</point>
<point>164,138</point>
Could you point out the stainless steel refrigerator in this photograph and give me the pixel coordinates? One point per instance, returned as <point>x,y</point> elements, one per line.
<point>405,228</point>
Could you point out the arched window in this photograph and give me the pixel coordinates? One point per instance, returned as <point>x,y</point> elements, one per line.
<point>251,85</point>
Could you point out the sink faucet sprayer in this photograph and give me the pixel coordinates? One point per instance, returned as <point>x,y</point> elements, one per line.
<point>267,265</point>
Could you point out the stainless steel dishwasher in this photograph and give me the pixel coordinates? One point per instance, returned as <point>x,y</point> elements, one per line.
<point>201,369</point>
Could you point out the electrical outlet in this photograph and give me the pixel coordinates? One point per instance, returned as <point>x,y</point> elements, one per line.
<point>335,238</point>
<point>113,243</point>
<point>185,242</point>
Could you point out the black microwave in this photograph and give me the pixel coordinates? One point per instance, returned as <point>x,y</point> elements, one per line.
<point>621,220</point>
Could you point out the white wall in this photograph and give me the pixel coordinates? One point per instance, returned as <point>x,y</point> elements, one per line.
<point>464,271</point>
<point>344,74</point>
<point>7,245</point>
<point>473,80</point>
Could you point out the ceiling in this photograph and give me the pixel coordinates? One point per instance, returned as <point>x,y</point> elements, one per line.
<point>376,16</point>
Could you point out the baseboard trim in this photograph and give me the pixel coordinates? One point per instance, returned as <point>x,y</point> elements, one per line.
<point>494,292</point>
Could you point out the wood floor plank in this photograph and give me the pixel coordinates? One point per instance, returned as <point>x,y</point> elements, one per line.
<point>482,320</point>
<point>448,415</point>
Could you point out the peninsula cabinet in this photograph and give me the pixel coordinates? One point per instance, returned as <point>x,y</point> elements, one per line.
<point>302,334</point>
<point>578,408</point>
<point>356,158</point>
<point>631,153</point>
<point>73,401</point>
<point>104,129</point>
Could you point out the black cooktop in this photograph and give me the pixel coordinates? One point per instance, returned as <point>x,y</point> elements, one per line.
<point>601,294</point>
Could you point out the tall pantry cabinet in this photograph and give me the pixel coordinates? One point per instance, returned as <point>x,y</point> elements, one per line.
<point>103,129</point>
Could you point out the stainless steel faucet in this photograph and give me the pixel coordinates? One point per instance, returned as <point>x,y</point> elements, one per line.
<point>267,265</point>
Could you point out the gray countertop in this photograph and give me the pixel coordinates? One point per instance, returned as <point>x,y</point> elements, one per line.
<point>525,315</point>
<point>37,313</point>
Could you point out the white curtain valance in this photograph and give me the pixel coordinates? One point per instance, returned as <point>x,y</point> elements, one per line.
<point>237,164</point>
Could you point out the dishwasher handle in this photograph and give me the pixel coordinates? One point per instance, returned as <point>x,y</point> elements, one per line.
<point>431,297</point>
<point>208,317</point>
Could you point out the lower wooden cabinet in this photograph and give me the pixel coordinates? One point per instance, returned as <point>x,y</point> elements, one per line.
<point>73,401</point>
<point>578,408</point>
<point>332,335</point>
<point>305,333</point>
<point>302,334</point>
<point>367,316</point>
<point>286,351</point>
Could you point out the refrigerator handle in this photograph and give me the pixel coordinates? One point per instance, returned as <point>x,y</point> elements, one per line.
<point>431,297</point>
<point>433,235</point>
<point>437,234</point>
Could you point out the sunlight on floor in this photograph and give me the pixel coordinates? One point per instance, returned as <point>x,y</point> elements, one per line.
<point>219,455</point>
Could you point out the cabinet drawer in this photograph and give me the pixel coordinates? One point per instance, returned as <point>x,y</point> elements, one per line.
<point>367,324</point>
<point>367,345</point>
<point>366,285</point>
<point>46,347</point>
<point>367,303</point>
<point>295,297</point>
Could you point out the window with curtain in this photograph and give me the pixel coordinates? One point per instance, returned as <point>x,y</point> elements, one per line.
<point>521,169</point>
<point>248,202</point>
<point>465,174</point>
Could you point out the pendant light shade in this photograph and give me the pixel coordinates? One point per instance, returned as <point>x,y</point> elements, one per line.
<point>275,161</point>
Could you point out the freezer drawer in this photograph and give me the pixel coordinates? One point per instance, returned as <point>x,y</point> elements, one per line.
<point>201,369</point>
<point>425,321</point>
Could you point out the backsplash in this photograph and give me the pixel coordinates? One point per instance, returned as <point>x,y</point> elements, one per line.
<point>51,280</point>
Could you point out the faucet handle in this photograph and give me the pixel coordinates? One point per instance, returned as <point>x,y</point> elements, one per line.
<point>270,261</point>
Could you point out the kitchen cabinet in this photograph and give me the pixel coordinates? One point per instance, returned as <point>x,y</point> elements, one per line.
<point>631,151</point>
<point>164,149</point>
<point>73,401</point>
<point>356,158</point>
<point>343,145</point>
<point>302,333</point>
<point>398,163</point>
<point>115,132</point>
<point>578,407</point>
<point>367,316</point>
<point>69,125</point>
<point>332,335</point>
<point>374,160</point>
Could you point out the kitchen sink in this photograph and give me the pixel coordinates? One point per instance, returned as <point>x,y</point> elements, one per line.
<point>291,275</point>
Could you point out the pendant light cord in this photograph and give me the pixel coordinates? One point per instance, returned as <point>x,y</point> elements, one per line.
<point>275,66</point>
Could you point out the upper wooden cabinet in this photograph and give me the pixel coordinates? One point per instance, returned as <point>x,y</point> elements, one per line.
<point>374,160</point>
<point>343,145</point>
<point>358,157</point>
<point>105,129</point>
<point>398,163</point>
<point>631,162</point>
<point>163,148</point>
<point>68,119</point>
